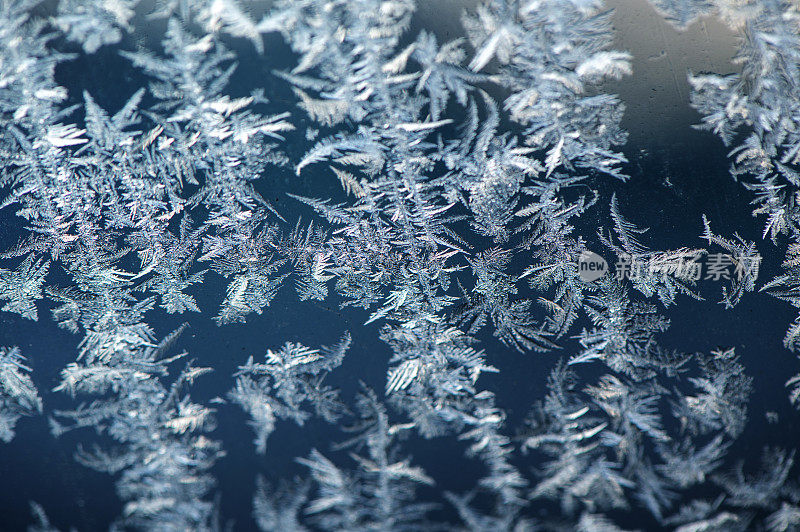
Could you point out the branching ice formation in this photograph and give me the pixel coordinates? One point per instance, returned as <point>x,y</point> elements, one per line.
<point>467,170</point>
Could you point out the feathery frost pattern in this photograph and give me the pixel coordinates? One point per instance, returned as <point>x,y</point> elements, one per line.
<point>18,395</point>
<point>476,174</point>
